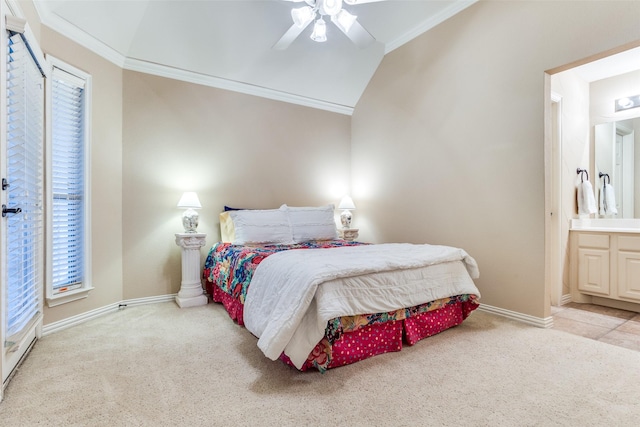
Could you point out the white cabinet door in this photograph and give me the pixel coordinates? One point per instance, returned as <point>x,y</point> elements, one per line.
<point>629,275</point>
<point>593,271</point>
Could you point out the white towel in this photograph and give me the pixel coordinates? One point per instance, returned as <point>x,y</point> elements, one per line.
<point>586,199</point>
<point>608,200</point>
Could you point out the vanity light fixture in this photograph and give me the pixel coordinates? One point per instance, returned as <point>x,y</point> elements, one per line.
<point>190,201</point>
<point>627,103</point>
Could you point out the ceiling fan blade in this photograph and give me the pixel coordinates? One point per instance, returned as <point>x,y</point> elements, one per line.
<point>359,36</point>
<point>292,33</point>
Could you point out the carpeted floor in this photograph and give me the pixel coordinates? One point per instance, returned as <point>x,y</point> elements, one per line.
<point>158,365</point>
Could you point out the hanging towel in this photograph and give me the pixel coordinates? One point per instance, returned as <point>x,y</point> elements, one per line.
<point>586,199</point>
<point>608,200</point>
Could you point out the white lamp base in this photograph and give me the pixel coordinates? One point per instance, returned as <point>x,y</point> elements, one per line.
<point>345,218</point>
<point>190,221</point>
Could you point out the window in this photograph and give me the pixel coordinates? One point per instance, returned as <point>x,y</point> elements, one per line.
<point>68,260</point>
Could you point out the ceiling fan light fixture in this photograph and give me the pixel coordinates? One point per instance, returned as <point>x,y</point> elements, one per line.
<point>302,16</point>
<point>344,20</point>
<point>329,7</point>
<point>319,31</point>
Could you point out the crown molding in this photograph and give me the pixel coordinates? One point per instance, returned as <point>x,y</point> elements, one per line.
<point>234,86</point>
<point>425,26</point>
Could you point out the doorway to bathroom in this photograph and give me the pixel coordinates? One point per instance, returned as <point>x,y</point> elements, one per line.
<point>578,97</point>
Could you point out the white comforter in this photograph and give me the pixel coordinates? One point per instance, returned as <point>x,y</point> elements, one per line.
<point>288,311</point>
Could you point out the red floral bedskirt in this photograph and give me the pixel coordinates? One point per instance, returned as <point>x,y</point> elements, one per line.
<point>368,340</point>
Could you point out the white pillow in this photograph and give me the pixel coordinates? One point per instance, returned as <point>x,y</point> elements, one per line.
<point>261,226</point>
<point>312,223</point>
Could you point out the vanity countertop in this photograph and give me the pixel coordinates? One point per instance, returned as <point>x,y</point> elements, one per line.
<point>607,225</point>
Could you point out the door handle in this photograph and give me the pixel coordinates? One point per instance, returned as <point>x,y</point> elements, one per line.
<point>6,210</point>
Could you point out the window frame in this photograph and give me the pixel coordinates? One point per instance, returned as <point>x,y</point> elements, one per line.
<point>54,299</point>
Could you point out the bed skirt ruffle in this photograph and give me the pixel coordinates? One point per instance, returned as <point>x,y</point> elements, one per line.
<point>379,336</point>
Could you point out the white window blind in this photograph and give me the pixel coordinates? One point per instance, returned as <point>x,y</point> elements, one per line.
<point>25,124</point>
<point>67,181</point>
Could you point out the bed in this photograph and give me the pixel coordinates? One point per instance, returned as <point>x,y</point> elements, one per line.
<point>317,302</point>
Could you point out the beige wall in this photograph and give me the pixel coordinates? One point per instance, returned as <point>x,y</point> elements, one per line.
<point>448,138</point>
<point>232,149</point>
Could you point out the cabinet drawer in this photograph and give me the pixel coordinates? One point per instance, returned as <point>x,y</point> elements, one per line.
<point>629,243</point>
<point>600,241</point>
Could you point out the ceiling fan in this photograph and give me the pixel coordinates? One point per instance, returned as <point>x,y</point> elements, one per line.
<point>315,11</point>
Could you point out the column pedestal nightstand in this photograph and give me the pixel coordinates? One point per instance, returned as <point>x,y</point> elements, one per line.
<point>348,234</point>
<point>191,293</point>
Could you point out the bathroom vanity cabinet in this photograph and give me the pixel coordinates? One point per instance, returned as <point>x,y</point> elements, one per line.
<point>605,267</point>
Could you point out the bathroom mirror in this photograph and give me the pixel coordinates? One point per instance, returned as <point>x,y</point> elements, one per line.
<point>617,154</point>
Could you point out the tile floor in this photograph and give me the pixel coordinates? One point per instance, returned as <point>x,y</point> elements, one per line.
<point>610,325</point>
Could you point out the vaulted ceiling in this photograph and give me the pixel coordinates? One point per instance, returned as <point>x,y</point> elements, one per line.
<point>229,44</point>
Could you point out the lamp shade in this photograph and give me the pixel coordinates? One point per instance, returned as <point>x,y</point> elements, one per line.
<point>189,200</point>
<point>346,203</point>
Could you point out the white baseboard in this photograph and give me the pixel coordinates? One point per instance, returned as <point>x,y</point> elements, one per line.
<point>111,308</point>
<point>149,300</point>
<point>81,318</point>
<point>525,318</point>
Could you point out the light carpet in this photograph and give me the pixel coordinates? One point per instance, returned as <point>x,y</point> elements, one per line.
<point>159,365</point>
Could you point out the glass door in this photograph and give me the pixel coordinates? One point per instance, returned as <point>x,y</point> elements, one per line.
<point>22,202</point>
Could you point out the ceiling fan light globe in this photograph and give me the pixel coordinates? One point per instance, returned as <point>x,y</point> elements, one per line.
<point>319,31</point>
<point>344,20</point>
<point>329,7</point>
<point>302,16</point>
